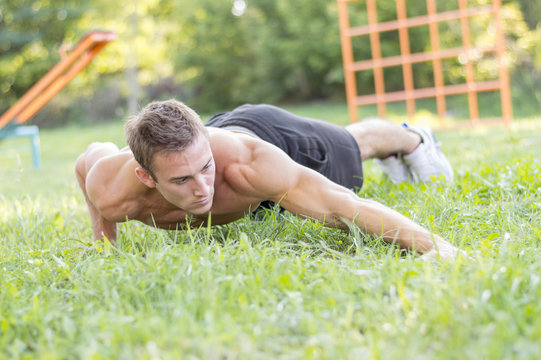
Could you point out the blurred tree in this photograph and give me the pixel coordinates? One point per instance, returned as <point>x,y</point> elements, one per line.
<point>208,50</point>
<point>140,55</point>
<point>257,50</point>
<point>523,29</point>
<point>298,43</point>
<point>217,54</point>
<point>532,12</point>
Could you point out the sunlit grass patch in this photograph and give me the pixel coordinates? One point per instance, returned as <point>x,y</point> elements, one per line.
<point>273,285</point>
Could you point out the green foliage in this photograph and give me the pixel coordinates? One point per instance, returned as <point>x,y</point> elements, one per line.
<point>524,50</point>
<point>273,285</point>
<point>273,51</point>
<point>30,35</point>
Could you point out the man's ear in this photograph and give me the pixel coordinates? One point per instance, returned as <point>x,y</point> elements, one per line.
<point>145,177</point>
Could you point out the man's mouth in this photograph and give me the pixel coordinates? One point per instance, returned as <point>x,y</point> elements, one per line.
<point>202,201</point>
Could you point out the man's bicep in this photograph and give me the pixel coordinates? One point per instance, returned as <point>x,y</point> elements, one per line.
<point>295,187</point>
<point>273,175</point>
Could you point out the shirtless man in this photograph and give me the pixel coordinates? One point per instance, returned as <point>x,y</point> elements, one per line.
<point>178,171</point>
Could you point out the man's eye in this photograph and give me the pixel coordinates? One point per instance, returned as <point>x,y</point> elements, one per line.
<point>180,181</point>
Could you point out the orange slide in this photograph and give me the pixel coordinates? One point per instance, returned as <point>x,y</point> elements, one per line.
<point>58,77</point>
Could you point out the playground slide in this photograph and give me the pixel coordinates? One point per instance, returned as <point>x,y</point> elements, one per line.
<point>58,77</point>
<point>43,91</point>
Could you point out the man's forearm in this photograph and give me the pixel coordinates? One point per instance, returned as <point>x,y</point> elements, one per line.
<point>393,227</point>
<point>380,220</point>
<point>104,228</point>
<point>100,226</point>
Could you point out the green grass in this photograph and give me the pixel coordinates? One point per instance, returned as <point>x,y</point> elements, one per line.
<point>276,287</point>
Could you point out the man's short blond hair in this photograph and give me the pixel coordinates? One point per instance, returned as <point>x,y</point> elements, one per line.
<point>162,126</point>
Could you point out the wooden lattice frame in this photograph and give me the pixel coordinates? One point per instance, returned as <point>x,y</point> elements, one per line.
<point>406,59</point>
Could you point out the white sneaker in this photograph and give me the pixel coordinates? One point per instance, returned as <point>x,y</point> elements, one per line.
<point>395,168</point>
<point>427,159</point>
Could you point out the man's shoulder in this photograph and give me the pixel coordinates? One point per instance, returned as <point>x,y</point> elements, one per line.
<point>251,166</point>
<point>235,145</point>
<point>231,148</point>
<point>111,168</point>
<point>112,186</point>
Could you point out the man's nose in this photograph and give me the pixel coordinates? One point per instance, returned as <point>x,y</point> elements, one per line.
<point>200,186</point>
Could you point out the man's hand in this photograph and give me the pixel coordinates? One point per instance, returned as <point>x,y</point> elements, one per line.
<point>446,252</point>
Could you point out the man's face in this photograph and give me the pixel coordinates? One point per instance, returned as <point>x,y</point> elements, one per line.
<point>186,178</point>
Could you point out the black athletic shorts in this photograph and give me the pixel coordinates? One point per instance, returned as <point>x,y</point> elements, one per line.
<point>326,148</point>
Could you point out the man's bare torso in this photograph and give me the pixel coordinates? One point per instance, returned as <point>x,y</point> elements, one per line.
<point>127,198</point>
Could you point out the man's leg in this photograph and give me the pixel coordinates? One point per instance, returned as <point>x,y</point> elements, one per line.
<point>404,153</point>
<point>380,139</point>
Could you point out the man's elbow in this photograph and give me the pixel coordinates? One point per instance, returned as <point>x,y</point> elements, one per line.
<point>79,168</point>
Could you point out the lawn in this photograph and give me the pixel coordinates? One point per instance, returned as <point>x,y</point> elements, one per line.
<point>276,287</point>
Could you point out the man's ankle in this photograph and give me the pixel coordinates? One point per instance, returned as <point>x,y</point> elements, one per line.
<point>413,144</point>
<point>414,140</point>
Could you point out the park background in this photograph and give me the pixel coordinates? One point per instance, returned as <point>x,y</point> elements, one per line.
<point>276,286</point>
<point>214,55</point>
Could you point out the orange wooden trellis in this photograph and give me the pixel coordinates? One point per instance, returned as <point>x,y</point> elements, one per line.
<point>406,59</point>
